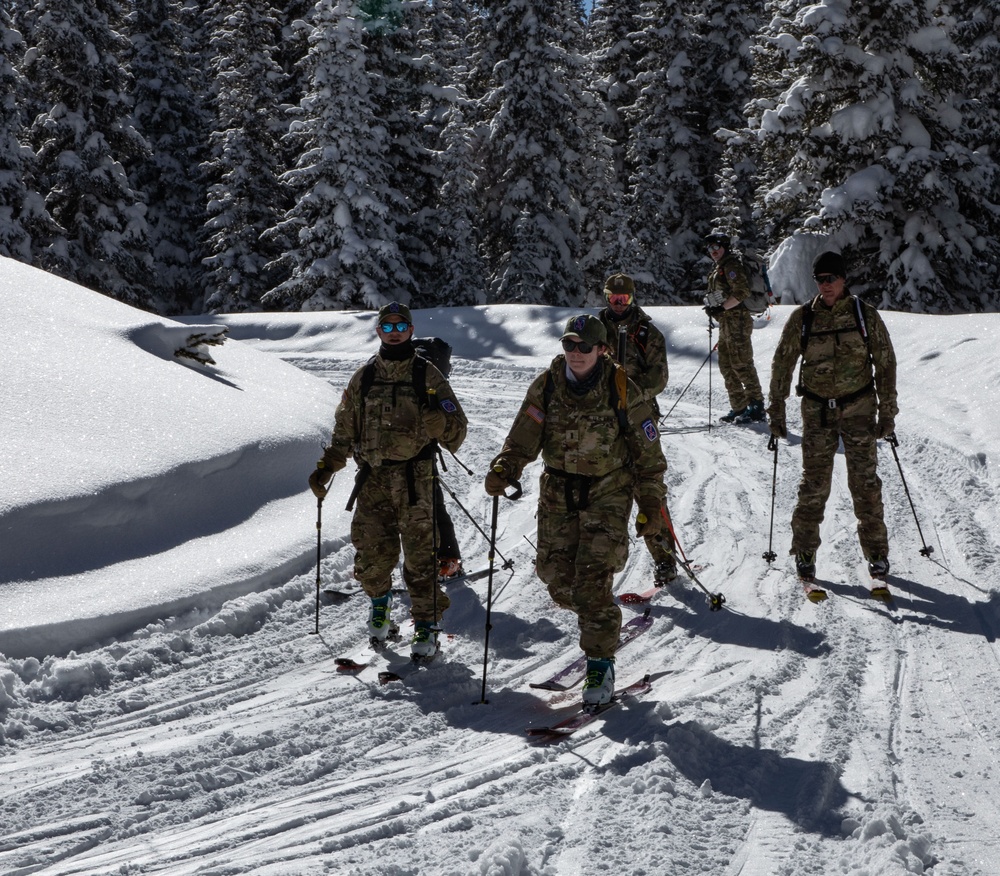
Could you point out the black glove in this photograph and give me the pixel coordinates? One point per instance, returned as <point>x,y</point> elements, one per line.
<point>714,312</point>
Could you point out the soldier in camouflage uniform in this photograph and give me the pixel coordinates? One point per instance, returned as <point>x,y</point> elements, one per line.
<point>728,288</point>
<point>598,439</point>
<point>392,434</point>
<point>848,388</point>
<point>645,359</point>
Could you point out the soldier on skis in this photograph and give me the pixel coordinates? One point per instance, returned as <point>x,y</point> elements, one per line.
<point>392,428</point>
<point>598,438</point>
<point>644,357</point>
<point>728,288</point>
<point>847,382</point>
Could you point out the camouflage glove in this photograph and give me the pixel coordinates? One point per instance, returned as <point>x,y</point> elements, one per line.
<point>649,520</point>
<point>497,480</point>
<point>318,481</point>
<point>434,421</point>
<point>776,420</point>
<point>886,427</point>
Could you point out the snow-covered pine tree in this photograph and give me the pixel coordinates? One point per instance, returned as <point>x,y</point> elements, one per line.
<point>84,140</point>
<point>860,141</point>
<point>724,33</point>
<point>400,77</point>
<point>598,196</point>
<point>170,112</point>
<point>341,250</point>
<point>666,202</point>
<point>245,198</point>
<point>16,200</point>
<point>614,59</point>
<point>531,181</point>
<point>459,275</point>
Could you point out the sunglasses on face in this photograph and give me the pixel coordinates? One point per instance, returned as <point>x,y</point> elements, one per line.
<point>569,346</point>
<point>620,299</point>
<point>823,279</point>
<point>387,327</point>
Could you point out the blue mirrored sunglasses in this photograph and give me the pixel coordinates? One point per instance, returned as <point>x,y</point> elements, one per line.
<point>387,327</point>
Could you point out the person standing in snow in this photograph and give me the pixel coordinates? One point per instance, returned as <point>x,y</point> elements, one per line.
<point>642,350</point>
<point>393,435</point>
<point>848,386</point>
<point>728,288</point>
<point>598,439</point>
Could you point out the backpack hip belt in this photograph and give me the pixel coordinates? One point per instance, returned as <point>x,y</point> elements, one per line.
<point>831,404</point>
<point>574,481</point>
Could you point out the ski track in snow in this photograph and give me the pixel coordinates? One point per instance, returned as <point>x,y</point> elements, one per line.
<point>780,737</point>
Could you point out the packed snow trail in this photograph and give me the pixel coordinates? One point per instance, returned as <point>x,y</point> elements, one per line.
<point>779,737</point>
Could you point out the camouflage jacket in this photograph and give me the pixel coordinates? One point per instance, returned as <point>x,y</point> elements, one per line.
<point>645,350</point>
<point>836,360</point>
<point>386,425</point>
<point>729,277</point>
<point>582,435</point>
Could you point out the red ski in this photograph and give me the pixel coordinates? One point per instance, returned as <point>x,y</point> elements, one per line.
<point>587,714</point>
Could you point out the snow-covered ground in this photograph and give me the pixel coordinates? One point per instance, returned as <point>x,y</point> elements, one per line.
<point>167,706</point>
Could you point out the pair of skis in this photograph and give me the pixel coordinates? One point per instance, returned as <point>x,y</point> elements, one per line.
<point>575,672</point>
<point>816,594</point>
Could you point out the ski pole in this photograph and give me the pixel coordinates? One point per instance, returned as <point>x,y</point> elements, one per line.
<point>319,549</point>
<point>663,419</point>
<point>893,442</point>
<point>715,600</point>
<point>769,554</point>
<point>711,349</point>
<point>489,596</point>
<point>475,523</point>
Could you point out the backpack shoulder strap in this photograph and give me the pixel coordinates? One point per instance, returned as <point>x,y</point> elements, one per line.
<point>367,378</point>
<point>619,396</point>
<point>420,376</point>
<point>807,321</point>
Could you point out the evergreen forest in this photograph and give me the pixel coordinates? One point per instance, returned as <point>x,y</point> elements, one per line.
<point>196,156</point>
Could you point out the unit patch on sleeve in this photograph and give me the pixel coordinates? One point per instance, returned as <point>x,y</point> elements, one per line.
<point>649,428</point>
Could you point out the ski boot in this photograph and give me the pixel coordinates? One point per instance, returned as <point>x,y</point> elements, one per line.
<point>449,568</point>
<point>379,624</point>
<point>599,687</point>
<point>878,568</point>
<point>425,642</point>
<point>665,571</point>
<point>752,413</point>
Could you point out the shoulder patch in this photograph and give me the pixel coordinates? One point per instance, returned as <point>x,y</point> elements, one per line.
<point>732,275</point>
<point>649,430</point>
<point>448,405</point>
<point>537,415</point>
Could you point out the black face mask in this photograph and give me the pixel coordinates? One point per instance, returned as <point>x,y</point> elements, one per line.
<point>397,352</point>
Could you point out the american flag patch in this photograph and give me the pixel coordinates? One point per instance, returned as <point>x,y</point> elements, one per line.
<point>449,406</point>
<point>650,430</point>
<point>537,415</point>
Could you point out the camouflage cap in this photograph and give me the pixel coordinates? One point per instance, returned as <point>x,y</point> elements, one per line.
<point>587,328</point>
<point>619,284</point>
<point>394,309</point>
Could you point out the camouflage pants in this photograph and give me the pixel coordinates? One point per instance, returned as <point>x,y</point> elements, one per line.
<point>661,546</point>
<point>736,358</point>
<point>580,551</point>
<point>854,425</point>
<point>384,519</point>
